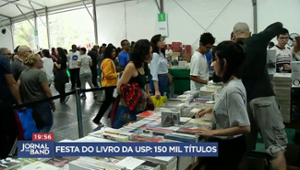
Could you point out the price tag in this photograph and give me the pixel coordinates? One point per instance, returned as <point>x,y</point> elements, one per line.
<point>42,137</point>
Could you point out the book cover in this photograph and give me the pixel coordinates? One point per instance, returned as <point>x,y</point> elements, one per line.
<point>58,161</point>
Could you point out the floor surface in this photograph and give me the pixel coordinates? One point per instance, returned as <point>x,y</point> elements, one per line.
<point>65,124</point>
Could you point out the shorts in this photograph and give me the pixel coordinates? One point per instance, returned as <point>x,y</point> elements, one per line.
<point>265,117</point>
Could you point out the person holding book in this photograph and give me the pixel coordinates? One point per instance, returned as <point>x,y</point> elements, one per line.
<point>230,121</point>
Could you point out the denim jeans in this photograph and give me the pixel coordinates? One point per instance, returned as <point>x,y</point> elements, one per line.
<point>42,115</point>
<point>162,84</point>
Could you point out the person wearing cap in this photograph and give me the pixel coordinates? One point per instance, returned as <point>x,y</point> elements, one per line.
<point>263,108</point>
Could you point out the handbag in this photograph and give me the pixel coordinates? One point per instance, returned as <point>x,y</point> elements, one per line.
<point>170,79</point>
<point>132,95</point>
<point>28,124</point>
<point>123,116</point>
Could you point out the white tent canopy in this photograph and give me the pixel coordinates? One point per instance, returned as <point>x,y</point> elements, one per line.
<point>115,20</point>
<point>18,10</point>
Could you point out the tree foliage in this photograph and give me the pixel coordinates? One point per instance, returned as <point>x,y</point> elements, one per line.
<point>73,27</point>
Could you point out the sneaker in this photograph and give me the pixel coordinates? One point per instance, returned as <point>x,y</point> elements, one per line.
<point>66,99</point>
<point>97,123</point>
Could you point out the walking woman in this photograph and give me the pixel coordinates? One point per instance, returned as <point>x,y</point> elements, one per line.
<point>34,87</point>
<point>48,65</point>
<point>230,122</point>
<point>134,72</point>
<point>85,74</point>
<point>108,79</point>
<point>61,77</point>
<point>159,79</point>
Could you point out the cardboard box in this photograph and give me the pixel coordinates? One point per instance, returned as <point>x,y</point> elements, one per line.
<point>187,57</point>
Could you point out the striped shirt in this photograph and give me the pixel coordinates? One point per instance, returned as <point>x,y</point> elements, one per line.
<point>283,56</point>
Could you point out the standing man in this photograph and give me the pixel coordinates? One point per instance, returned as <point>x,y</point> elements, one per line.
<point>284,56</point>
<point>199,74</point>
<point>74,69</point>
<point>124,55</point>
<point>94,54</point>
<point>9,95</point>
<point>17,66</point>
<point>264,112</point>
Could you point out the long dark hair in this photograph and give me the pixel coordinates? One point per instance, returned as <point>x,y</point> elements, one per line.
<point>154,40</point>
<point>46,53</point>
<point>234,54</point>
<point>140,52</point>
<point>109,50</point>
<point>297,48</point>
<point>61,54</point>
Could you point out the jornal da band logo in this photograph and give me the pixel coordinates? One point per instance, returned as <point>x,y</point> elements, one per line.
<point>35,149</point>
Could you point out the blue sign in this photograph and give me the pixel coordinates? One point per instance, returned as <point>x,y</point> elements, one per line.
<point>75,57</point>
<point>46,149</point>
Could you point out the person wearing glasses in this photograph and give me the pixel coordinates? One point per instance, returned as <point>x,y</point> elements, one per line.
<point>199,74</point>
<point>17,66</point>
<point>5,51</point>
<point>284,55</point>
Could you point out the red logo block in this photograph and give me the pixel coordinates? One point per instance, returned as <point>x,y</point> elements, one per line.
<point>42,137</point>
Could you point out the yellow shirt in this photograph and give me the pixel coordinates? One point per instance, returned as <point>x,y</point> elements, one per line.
<point>109,73</point>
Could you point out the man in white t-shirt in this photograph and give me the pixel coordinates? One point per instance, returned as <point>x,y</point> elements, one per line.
<point>74,69</point>
<point>284,55</point>
<point>199,74</point>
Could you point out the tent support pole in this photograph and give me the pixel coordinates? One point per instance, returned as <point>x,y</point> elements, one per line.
<point>254,4</point>
<point>25,16</point>
<point>47,27</point>
<point>95,21</point>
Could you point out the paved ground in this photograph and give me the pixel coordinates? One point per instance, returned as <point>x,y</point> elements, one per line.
<point>65,117</point>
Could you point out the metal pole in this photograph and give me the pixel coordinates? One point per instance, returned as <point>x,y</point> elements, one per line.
<point>47,27</point>
<point>95,21</point>
<point>25,16</point>
<point>36,37</point>
<point>254,3</point>
<point>79,114</point>
<point>12,36</point>
<point>161,2</point>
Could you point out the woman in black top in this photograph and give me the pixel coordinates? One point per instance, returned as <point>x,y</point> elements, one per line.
<point>134,71</point>
<point>61,77</point>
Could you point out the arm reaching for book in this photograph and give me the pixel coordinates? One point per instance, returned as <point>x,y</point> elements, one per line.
<point>224,132</point>
<point>204,111</point>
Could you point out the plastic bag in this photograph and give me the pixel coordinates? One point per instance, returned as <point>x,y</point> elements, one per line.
<point>159,102</point>
<point>115,94</point>
<point>27,122</point>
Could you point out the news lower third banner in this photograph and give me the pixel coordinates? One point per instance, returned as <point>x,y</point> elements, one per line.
<point>49,149</point>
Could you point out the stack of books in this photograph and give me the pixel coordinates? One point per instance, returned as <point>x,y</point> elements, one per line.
<point>282,83</point>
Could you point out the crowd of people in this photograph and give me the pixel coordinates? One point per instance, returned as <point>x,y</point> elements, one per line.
<point>247,103</point>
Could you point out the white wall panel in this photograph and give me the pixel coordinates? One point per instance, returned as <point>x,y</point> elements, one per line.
<point>236,11</point>
<point>141,19</point>
<point>189,19</point>
<point>111,23</point>
<point>182,28</point>
<point>286,11</point>
<point>6,40</point>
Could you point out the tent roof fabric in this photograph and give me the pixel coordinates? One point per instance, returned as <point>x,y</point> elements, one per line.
<point>16,10</point>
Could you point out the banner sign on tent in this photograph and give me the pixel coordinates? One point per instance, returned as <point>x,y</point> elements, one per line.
<point>163,24</point>
<point>36,37</point>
